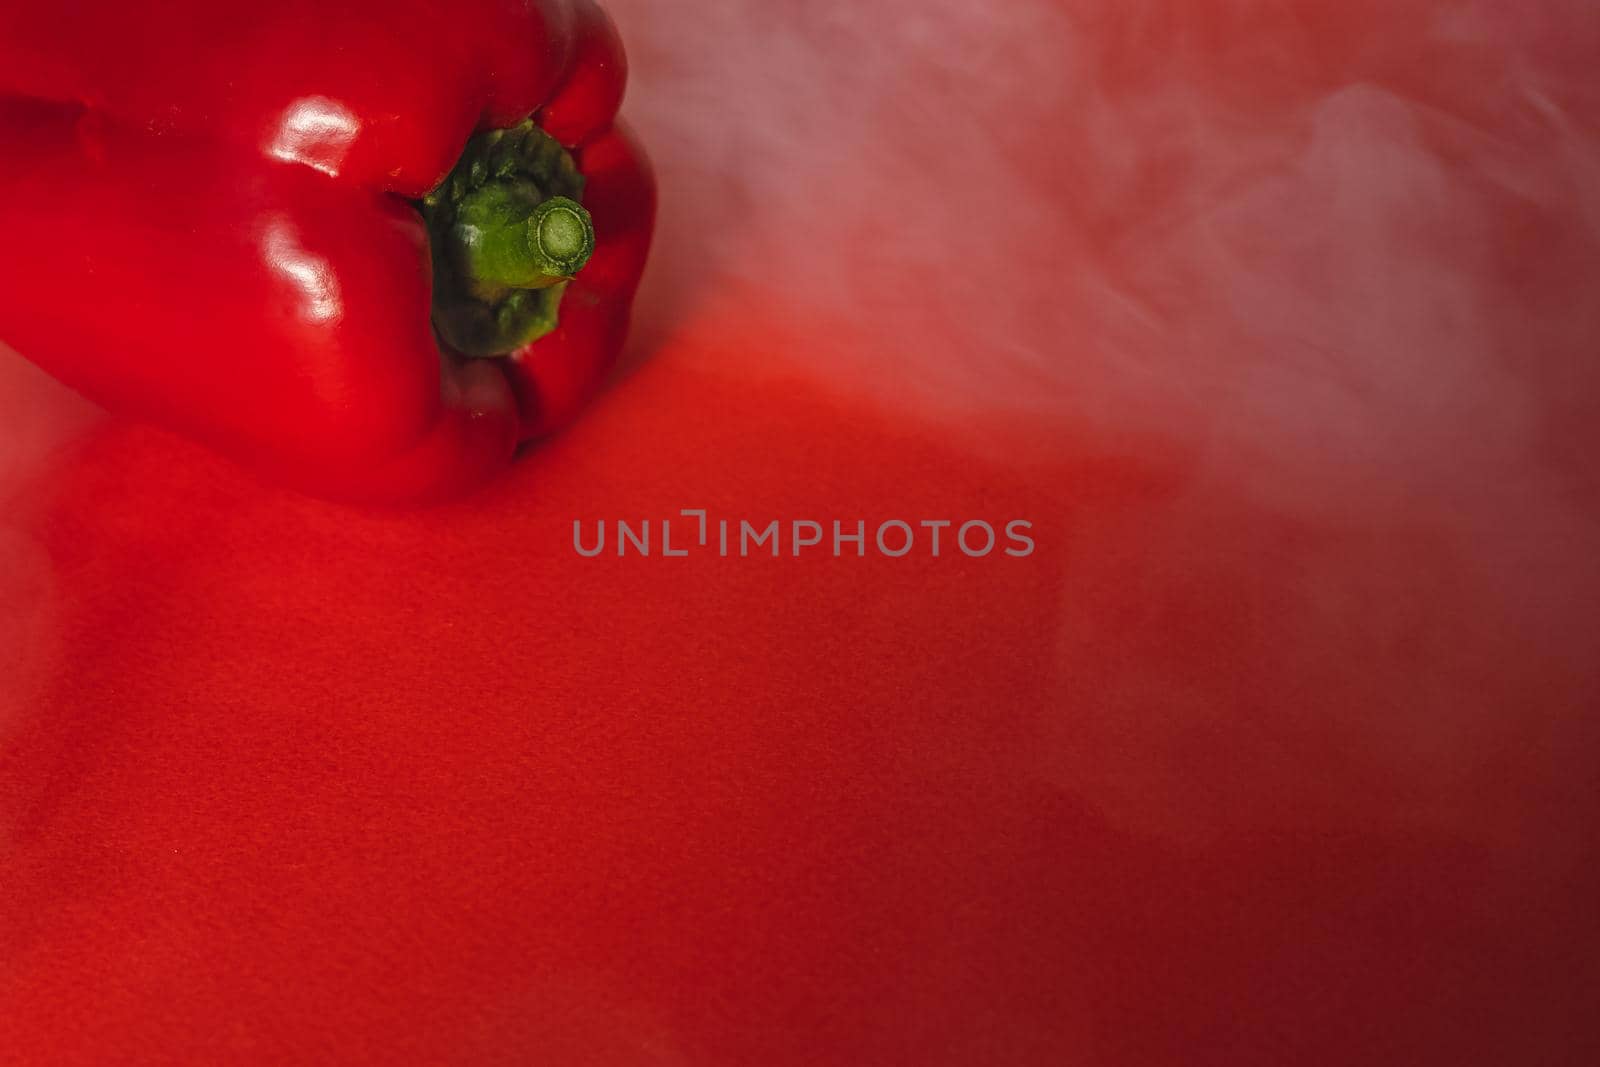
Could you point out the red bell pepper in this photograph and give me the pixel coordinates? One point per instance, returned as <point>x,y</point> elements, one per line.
<point>348,243</point>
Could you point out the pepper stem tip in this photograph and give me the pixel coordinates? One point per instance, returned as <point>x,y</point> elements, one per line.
<point>561,233</point>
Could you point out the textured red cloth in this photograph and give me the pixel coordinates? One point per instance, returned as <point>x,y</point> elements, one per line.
<point>1276,321</point>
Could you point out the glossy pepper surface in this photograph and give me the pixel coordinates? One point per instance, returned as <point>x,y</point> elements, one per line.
<point>365,248</point>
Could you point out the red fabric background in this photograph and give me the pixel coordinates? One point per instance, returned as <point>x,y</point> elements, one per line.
<point>1276,320</point>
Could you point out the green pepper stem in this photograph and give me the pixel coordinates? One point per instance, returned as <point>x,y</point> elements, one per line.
<point>507,233</point>
<point>507,237</point>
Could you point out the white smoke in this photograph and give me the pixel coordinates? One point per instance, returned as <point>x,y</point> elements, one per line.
<point>1340,262</point>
